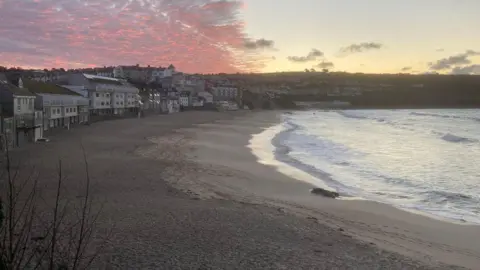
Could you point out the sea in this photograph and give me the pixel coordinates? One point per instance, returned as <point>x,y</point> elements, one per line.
<point>426,161</point>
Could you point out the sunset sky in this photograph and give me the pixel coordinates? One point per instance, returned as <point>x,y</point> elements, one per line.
<point>371,36</point>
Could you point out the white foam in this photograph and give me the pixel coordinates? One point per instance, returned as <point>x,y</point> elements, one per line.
<point>261,146</point>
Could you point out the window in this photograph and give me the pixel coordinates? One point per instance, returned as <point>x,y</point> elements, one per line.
<point>97,95</point>
<point>67,110</point>
<point>58,111</point>
<point>30,104</point>
<point>19,107</point>
<point>103,103</point>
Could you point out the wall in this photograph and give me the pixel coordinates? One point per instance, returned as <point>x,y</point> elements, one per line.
<point>99,98</point>
<point>70,111</point>
<point>23,105</point>
<point>118,100</point>
<point>131,100</point>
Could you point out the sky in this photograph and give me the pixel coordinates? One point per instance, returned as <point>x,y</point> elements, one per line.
<point>210,36</point>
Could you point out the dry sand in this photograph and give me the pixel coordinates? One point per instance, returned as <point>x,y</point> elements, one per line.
<point>185,196</point>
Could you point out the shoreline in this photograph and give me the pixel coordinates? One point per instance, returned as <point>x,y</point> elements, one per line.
<point>415,235</point>
<point>283,164</point>
<point>183,191</point>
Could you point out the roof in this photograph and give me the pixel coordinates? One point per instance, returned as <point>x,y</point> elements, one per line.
<point>14,90</point>
<point>46,88</point>
<point>101,79</point>
<point>3,78</point>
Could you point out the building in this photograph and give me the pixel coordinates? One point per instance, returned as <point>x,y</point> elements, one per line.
<point>18,113</point>
<point>156,74</point>
<point>143,74</point>
<point>132,73</point>
<point>224,93</point>
<point>107,96</point>
<point>60,107</point>
<point>184,99</point>
<point>48,76</point>
<point>206,96</point>
<point>105,72</point>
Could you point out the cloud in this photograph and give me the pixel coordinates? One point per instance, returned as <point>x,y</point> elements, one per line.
<point>405,69</point>
<point>259,44</point>
<point>467,70</point>
<point>455,60</point>
<point>194,35</point>
<point>325,65</point>
<point>361,47</point>
<point>311,56</point>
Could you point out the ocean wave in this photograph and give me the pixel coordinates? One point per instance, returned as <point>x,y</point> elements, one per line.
<point>282,151</point>
<point>437,196</point>
<point>445,116</point>
<point>351,115</point>
<point>349,168</point>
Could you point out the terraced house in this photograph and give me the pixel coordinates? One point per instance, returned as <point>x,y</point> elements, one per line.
<point>19,119</point>
<point>60,107</point>
<point>107,96</point>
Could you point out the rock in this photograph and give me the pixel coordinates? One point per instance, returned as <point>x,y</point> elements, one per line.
<point>325,193</point>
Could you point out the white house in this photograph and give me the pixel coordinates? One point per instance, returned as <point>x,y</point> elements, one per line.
<point>221,93</point>
<point>108,96</point>
<point>17,103</point>
<point>105,72</point>
<point>61,107</point>
<point>169,71</point>
<point>184,100</point>
<point>118,72</point>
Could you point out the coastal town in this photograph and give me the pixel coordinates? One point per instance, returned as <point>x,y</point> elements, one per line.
<point>35,104</point>
<point>186,170</point>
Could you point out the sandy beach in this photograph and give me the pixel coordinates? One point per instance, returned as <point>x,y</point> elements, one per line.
<point>184,191</point>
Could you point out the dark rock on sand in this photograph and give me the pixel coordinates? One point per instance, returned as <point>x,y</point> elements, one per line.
<point>325,193</point>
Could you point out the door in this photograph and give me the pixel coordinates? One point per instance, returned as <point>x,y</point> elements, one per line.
<point>38,133</point>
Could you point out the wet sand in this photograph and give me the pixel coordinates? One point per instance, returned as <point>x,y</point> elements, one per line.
<point>234,173</point>
<point>179,195</point>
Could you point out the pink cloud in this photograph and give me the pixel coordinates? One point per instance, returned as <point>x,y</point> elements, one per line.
<point>194,35</point>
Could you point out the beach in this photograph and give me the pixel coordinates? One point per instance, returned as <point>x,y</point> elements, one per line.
<point>184,191</point>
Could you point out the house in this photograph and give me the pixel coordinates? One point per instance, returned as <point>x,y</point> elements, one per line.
<point>151,101</point>
<point>60,107</point>
<point>17,106</point>
<point>143,74</point>
<point>224,93</point>
<point>184,99</point>
<point>173,103</point>
<point>105,72</point>
<point>156,74</point>
<point>48,76</point>
<point>169,71</point>
<point>107,96</point>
